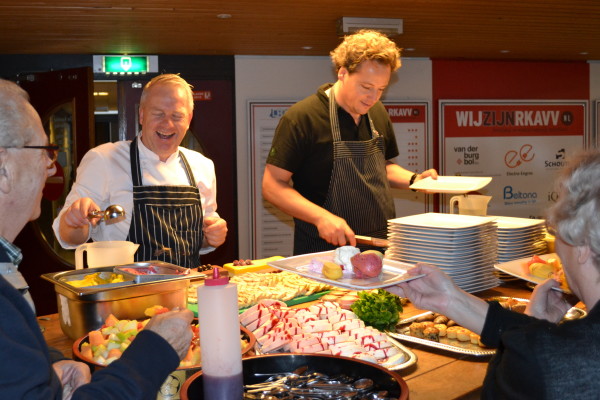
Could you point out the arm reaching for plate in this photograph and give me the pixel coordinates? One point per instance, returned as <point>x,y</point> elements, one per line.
<point>436,292</point>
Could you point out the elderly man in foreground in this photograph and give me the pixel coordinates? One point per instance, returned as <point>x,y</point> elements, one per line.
<point>29,369</point>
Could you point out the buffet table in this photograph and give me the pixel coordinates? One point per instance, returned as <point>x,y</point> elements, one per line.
<point>438,374</point>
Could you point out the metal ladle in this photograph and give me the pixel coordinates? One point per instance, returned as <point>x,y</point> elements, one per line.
<point>113,213</point>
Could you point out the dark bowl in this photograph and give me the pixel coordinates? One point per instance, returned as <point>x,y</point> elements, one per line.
<point>245,333</point>
<point>330,365</point>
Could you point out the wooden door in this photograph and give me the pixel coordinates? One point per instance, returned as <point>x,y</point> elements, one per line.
<point>64,100</point>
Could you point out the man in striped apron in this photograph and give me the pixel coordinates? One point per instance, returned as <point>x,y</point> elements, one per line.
<point>168,192</point>
<point>336,146</point>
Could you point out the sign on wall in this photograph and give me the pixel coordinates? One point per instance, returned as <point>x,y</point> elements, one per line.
<point>410,120</point>
<point>520,144</point>
<point>272,230</point>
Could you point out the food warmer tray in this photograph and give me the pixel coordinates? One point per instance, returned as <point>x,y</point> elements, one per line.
<point>468,348</point>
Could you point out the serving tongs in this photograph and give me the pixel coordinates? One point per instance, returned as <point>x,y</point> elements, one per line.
<point>372,241</point>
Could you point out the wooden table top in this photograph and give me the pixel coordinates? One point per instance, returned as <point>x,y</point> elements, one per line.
<point>438,374</point>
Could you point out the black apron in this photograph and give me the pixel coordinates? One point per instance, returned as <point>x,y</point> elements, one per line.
<point>359,190</point>
<point>166,221</point>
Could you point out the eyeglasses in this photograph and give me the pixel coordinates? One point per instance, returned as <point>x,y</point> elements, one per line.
<point>51,150</point>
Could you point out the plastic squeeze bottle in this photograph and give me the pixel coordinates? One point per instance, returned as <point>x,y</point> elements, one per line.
<point>220,339</point>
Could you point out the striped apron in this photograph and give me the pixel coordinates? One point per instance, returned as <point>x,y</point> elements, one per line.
<point>359,191</point>
<point>166,221</point>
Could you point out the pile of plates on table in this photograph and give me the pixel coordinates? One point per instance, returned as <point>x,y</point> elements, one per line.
<point>519,238</point>
<point>463,246</point>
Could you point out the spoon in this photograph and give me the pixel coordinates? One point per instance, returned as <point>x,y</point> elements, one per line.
<point>113,213</point>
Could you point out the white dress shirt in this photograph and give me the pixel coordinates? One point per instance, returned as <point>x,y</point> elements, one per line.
<point>104,175</point>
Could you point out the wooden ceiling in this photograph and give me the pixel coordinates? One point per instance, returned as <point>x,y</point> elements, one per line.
<point>455,29</point>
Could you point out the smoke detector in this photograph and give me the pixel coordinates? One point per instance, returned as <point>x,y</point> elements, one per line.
<point>388,26</point>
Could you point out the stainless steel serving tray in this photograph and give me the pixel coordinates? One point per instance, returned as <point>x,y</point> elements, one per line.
<point>452,345</point>
<point>112,291</point>
<point>456,346</point>
<point>148,271</point>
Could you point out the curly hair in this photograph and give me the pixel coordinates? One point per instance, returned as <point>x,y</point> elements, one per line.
<point>576,214</point>
<point>365,45</point>
<point>170,79</point>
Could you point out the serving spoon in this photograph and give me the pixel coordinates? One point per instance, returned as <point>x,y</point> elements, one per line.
<point>113,213</point>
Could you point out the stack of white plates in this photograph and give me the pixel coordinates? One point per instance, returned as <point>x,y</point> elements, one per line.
<point>463,246</point>
<point>519,238</point>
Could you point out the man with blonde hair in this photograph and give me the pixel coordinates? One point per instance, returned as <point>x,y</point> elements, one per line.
<point>336,146</point>
<point>168,192</point>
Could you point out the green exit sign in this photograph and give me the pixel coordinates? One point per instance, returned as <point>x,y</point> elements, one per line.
<point>125,64</point>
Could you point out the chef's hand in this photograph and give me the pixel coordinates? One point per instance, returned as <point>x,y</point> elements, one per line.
<point>215,230</point>
<point>430,173</point>
<point>174,326</point>
<point>335,230</point>
<point>546,303</point>
<point>76,215</point>
<point>71,374</point>
<point>426,174</point>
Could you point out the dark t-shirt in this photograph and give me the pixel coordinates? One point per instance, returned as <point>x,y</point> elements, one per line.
<point>303,143</point>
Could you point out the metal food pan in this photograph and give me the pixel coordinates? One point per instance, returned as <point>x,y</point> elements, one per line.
<point>149,271</point>
<point>80,274</point>
<point>82,309</point>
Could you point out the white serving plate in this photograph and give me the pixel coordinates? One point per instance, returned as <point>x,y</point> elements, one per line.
<point>451,184</point>
<point>511,223</point>
<point>393,272</point>
<point>442,221</point>
<point>516,269</point>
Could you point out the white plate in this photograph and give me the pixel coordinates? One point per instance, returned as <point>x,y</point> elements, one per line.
<point>442,221</point>
<point>518,223</point>
<point>495,282</point>
<point>451,184</point>
<point>393,272</point>
<point>516,268</point>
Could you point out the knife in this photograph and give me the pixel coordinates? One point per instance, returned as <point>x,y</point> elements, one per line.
<point>372,241</point>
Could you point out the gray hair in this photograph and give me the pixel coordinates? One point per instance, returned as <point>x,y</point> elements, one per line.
<point>14,125</point>
<point>576,214</point>
<point>169,79</point>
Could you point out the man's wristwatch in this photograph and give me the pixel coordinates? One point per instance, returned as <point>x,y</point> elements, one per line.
<point>412,180</point>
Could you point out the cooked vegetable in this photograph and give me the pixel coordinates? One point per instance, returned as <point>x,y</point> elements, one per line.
<point>379,309</point>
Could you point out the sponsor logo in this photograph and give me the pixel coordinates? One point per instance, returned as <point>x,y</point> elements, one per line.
<point>514,158</point>
<point>559,160</point>
<point>468,155</point>
<point>553,197</point>
<point>524,118</point>
<point>277,112</point>
<point>512,196</point>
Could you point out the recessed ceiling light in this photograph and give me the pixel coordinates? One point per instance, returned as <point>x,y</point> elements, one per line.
<point>307,47</point>
<point>584,53</point>
<point>409,49</point>
<point>504,51</point>
<point>223,16</point>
